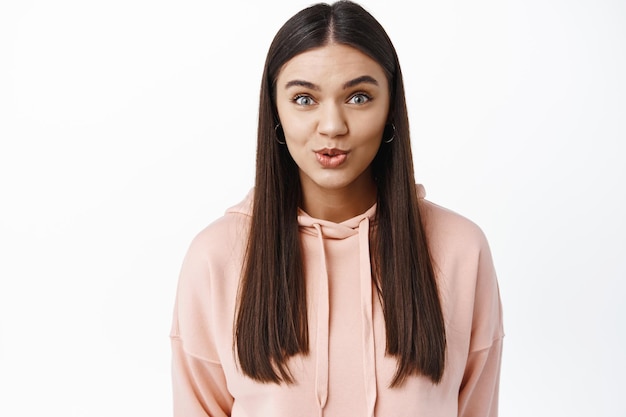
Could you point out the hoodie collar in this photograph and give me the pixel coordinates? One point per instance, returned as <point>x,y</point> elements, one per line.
<point>332,230</point>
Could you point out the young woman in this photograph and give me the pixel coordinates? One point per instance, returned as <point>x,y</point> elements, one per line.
<point>335,289</point>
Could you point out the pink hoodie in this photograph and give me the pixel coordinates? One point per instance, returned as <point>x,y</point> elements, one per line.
<point>346,372</point>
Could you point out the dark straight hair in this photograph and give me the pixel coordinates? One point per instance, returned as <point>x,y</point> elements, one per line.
<point>271,320</point>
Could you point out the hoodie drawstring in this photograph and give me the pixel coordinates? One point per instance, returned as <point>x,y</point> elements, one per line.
<point>323,321</point>
<point>369,354</point>
<point>323,317</point>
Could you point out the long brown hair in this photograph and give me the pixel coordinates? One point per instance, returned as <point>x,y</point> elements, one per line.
<point>271,323</point>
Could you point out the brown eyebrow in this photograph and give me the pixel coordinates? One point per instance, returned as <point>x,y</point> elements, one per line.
<point>302,83</point>
<point>363,79</point>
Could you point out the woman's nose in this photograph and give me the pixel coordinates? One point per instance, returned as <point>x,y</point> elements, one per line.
<point>332,121</point>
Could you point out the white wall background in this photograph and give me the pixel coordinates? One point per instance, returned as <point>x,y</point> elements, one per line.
<point>126,126</point>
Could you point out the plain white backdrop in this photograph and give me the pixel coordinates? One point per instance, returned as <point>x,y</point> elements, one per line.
<point>126,126</point>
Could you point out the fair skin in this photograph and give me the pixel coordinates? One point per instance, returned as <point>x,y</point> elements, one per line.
<point>333,103</point>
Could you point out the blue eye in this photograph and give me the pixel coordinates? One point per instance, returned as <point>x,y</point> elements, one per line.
<point>359,98</point>
<point>303,100</point>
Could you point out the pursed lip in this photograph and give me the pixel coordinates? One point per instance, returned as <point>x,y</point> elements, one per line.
<point>331,157</point>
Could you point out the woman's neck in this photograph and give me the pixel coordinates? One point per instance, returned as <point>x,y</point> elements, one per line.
<point>338,204</point>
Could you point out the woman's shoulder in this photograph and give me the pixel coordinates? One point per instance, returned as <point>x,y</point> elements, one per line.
<point>447,221</point>
<point>448,229</point>
<point>225,232</point>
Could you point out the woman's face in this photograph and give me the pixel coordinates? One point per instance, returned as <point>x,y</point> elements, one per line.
<point>333,103</point>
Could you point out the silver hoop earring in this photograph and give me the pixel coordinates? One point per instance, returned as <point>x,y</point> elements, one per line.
<point>276,134</point>
<point>392,136</point>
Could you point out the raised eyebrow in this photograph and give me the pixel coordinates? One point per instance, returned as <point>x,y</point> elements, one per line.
<point>363,79</point>
<point>302,83</point>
